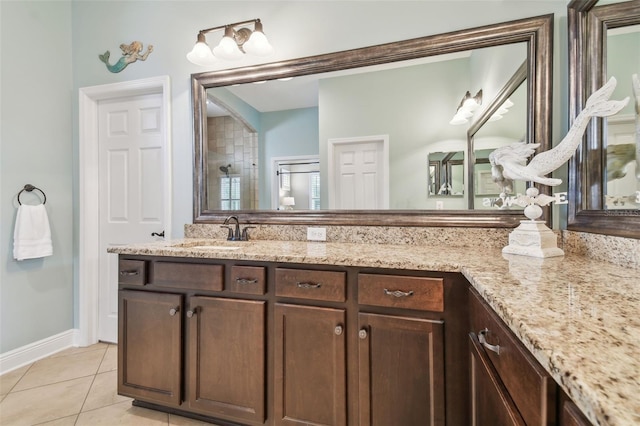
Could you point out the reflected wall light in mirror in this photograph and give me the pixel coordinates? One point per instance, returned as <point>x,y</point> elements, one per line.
<point>595,33</point>
<point>468,105</point>
<point>233,45</point>
<point>533,34</point>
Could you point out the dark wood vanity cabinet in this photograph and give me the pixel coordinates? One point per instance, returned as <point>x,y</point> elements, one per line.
<point>508,385</point>
<point>283,344</point>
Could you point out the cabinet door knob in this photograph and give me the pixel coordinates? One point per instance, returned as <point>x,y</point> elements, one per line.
<point>174,311</point>
<point>362,334</point>
<point>338,330</point>
<point>192,312</point>
<point>482,338</point>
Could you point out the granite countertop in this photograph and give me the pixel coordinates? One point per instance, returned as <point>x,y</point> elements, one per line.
<point>579,317</point>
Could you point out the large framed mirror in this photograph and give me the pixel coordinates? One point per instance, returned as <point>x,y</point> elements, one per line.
<point>214,169</point>
<point>604,176</point>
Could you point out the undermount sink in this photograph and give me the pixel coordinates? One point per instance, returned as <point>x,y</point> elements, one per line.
<point>211,245</point>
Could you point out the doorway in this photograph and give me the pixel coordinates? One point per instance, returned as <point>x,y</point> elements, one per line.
<point>93,212</point>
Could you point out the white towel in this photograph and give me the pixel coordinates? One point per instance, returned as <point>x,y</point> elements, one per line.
<point>32,235</point>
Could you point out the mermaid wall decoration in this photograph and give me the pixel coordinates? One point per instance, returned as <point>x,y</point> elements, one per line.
<point>130,54</point>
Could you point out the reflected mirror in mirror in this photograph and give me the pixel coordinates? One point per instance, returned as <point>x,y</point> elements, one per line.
<point>411,103</point>
<point>446,174</point>
<point>622,177</point>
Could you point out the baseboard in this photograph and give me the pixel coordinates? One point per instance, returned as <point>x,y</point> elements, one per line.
<point>37,350</point>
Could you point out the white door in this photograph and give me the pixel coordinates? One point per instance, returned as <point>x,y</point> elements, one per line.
<point>131,177</point>
<point>359,179</point>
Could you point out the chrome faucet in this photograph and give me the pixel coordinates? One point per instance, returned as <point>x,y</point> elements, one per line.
<point>234,234</point>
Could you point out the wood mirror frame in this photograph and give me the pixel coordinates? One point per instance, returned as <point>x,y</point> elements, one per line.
<point>587,27</point>
<point>537,32</point>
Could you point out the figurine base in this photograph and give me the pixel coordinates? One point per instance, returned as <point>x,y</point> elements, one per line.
<point>533,238</point>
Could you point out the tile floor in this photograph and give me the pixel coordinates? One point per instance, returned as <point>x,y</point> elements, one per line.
<point>74,387</point>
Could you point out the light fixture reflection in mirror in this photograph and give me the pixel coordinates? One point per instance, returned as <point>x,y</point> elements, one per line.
<point>533,34</point>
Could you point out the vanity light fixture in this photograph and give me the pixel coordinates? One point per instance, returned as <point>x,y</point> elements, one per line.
<point>235,43</point>
<point>467,106</point>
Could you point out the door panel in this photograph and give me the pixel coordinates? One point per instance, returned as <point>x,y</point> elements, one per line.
<point>131,188</point>
<point>358,172</point>
<point>150,346</point>
<point>226,369</point>
<point>401,371</point>
<point>490,400</point>
<point>310,370</point>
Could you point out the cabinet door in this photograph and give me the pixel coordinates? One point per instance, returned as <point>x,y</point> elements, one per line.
<point>490,401</point>
<point>309,366</point>
<point>226,358</point>
<point>150,346</point>
<point>401,375</point>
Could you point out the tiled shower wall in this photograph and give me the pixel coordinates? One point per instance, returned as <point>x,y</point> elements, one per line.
<point>230,142</point>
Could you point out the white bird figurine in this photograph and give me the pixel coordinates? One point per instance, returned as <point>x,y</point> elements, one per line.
<point>509,163</point>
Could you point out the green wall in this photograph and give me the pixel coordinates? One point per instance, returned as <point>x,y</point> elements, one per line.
<point>36,85</point>
<point>49,50</point>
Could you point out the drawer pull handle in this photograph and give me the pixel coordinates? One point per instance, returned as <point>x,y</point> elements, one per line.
<point>129,273</point>
<point>338,330</point>
<point>192,312</point>
<point>245,281</point>
<point>362,334</point>
<point>483,339</point>
<point>398,293</point>
<point>174,311</point>
<point>308,285</point>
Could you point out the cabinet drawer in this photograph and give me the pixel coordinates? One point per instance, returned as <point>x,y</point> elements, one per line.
<point>529,385</point>
<point>132,272</point>
<point>188,275</point>
<point>421,293</point>
<point>247,279</point>
<point>306,284</point>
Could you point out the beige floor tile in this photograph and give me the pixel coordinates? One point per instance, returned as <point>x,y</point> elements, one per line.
<point>110,360</point>
<point>57,369</point>
<point>9,380</point>
<point>44,403</point>
<point>81,349</point>
<point>65,421</point>
<point>122,413</point>
<point>104,391</point>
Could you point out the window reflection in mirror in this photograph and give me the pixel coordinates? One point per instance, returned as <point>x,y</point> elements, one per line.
<point>622,177</point>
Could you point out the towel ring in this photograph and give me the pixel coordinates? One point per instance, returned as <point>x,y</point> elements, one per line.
<point>28,187</point>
